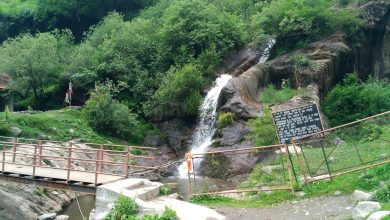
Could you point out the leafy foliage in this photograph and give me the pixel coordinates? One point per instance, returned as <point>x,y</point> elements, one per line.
<point>271,95</point>
<point>263,131</point>
<point>383,194</point>
<point>298,22</point>
<point>353,99</point>
<point>35,62</point>
<point>126,209</point>
<point>107,115</point>
<point>225,119</point>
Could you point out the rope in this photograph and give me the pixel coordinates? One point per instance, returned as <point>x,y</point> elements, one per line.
<point>78,205</point>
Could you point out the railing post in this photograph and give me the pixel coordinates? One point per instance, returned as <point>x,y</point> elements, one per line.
<point>69,167</point>
<point>2,167</point>
<point>289,167</point>
<point>35,159</point>
<point>126,170</point>
<point>97,167</point>
<point>14,150</point>
<point>101,157</point>
<point>40,143</point>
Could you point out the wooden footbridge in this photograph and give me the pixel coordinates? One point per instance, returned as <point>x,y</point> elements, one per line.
<point>70,165</point>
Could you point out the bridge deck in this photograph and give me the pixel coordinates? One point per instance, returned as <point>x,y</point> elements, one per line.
<point>52,173</point>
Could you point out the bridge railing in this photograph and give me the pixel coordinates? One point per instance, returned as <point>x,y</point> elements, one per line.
<point>347,148</point>
<point>98,159</point>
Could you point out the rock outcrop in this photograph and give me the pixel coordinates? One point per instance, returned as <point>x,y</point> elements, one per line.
<point>329,59</point>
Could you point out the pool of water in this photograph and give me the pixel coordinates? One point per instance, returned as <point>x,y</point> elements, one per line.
<point>87,203</point>
<point>202,184</point>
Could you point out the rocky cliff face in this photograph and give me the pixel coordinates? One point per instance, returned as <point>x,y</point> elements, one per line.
<point>328,61</point>
<point>372,56</point>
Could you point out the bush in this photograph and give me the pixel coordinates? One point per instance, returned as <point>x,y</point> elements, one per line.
<point>107,115</point>
<point>179,93</point>
<point>353,99</point>
<point>299,22</point>
<point>263,131</point>
<point>124,208</point>
<point>225,119</point>
<point>383,195</point>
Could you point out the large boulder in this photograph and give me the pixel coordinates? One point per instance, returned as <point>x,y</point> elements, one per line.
<point>361,196</point>
<point>379,215</point>
<point>364,209</point>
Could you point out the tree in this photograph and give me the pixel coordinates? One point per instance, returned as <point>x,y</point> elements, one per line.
<point>35,62</point>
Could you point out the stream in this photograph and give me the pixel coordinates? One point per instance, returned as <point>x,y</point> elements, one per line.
<point>87,203</point>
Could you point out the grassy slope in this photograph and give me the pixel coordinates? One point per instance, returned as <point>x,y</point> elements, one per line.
<point>366,180</point>
<point>57,125</point>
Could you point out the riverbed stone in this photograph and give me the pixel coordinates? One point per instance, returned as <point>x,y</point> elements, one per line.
<point>361,196</point>
<point>378,215</point>
<point>47,216</point>
<point>364,209</point>
<point>62,217</point>
<point>15,131</point>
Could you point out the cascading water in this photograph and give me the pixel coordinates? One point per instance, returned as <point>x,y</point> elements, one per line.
<point>266,52</point>
<point>203,137</point>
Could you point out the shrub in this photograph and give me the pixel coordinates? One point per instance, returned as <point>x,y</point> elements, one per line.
<point>263,131</point>
<point>383,194</point>
<point>353,99</point>
<point>164,190</point>
<point>124,208</point>
<point>225,119</point>
<point>107,115</point>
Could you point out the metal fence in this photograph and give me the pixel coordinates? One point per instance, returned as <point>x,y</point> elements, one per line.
<point>340,150</point>
<point>269,168</point>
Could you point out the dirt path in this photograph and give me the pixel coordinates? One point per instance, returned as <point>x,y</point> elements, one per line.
<point>339,208</point>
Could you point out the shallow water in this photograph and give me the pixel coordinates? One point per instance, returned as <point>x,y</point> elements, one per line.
<point>87,203</point>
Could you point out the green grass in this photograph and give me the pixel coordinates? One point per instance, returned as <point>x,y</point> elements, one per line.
<point>271,95</point>
<point>15,7</point>
<point>366,180</point>
<point>57,125</point>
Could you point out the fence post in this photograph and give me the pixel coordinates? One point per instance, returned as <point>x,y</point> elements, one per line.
<point>14,149</point>
<point>299,160</point>
<point>40,143</point>
<point>100,157</point>
<point>2,167</point>
<point>126,170</point>
<point>70,145</point>
<point>289,167</point>
<point>326,159</point>
<point>97,166</point>
<point>35,159</point>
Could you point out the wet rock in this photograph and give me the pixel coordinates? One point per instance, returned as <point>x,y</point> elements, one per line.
<point>233,133</point>
<point>361,196</point>
<point>154,141</point>
<point>364,209</point>
<point>48,216</point>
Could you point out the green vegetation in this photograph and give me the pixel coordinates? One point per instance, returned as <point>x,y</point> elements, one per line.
<point>383,194</point>
<point>225,119</point>
<point>165,52</point>
<point>353,99</point>
<point>58,125</point>
<point>126,209</point>
<point>263,131</point>
<point>271,95</point>
<point>106,115</point>
<point>165,190</point>
<point>297,23</point>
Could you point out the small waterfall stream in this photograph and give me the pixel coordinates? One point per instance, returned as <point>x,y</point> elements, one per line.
<point>203,137</point>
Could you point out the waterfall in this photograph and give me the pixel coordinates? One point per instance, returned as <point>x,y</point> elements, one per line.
<point>203,137</point>
<point>266,52</point>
